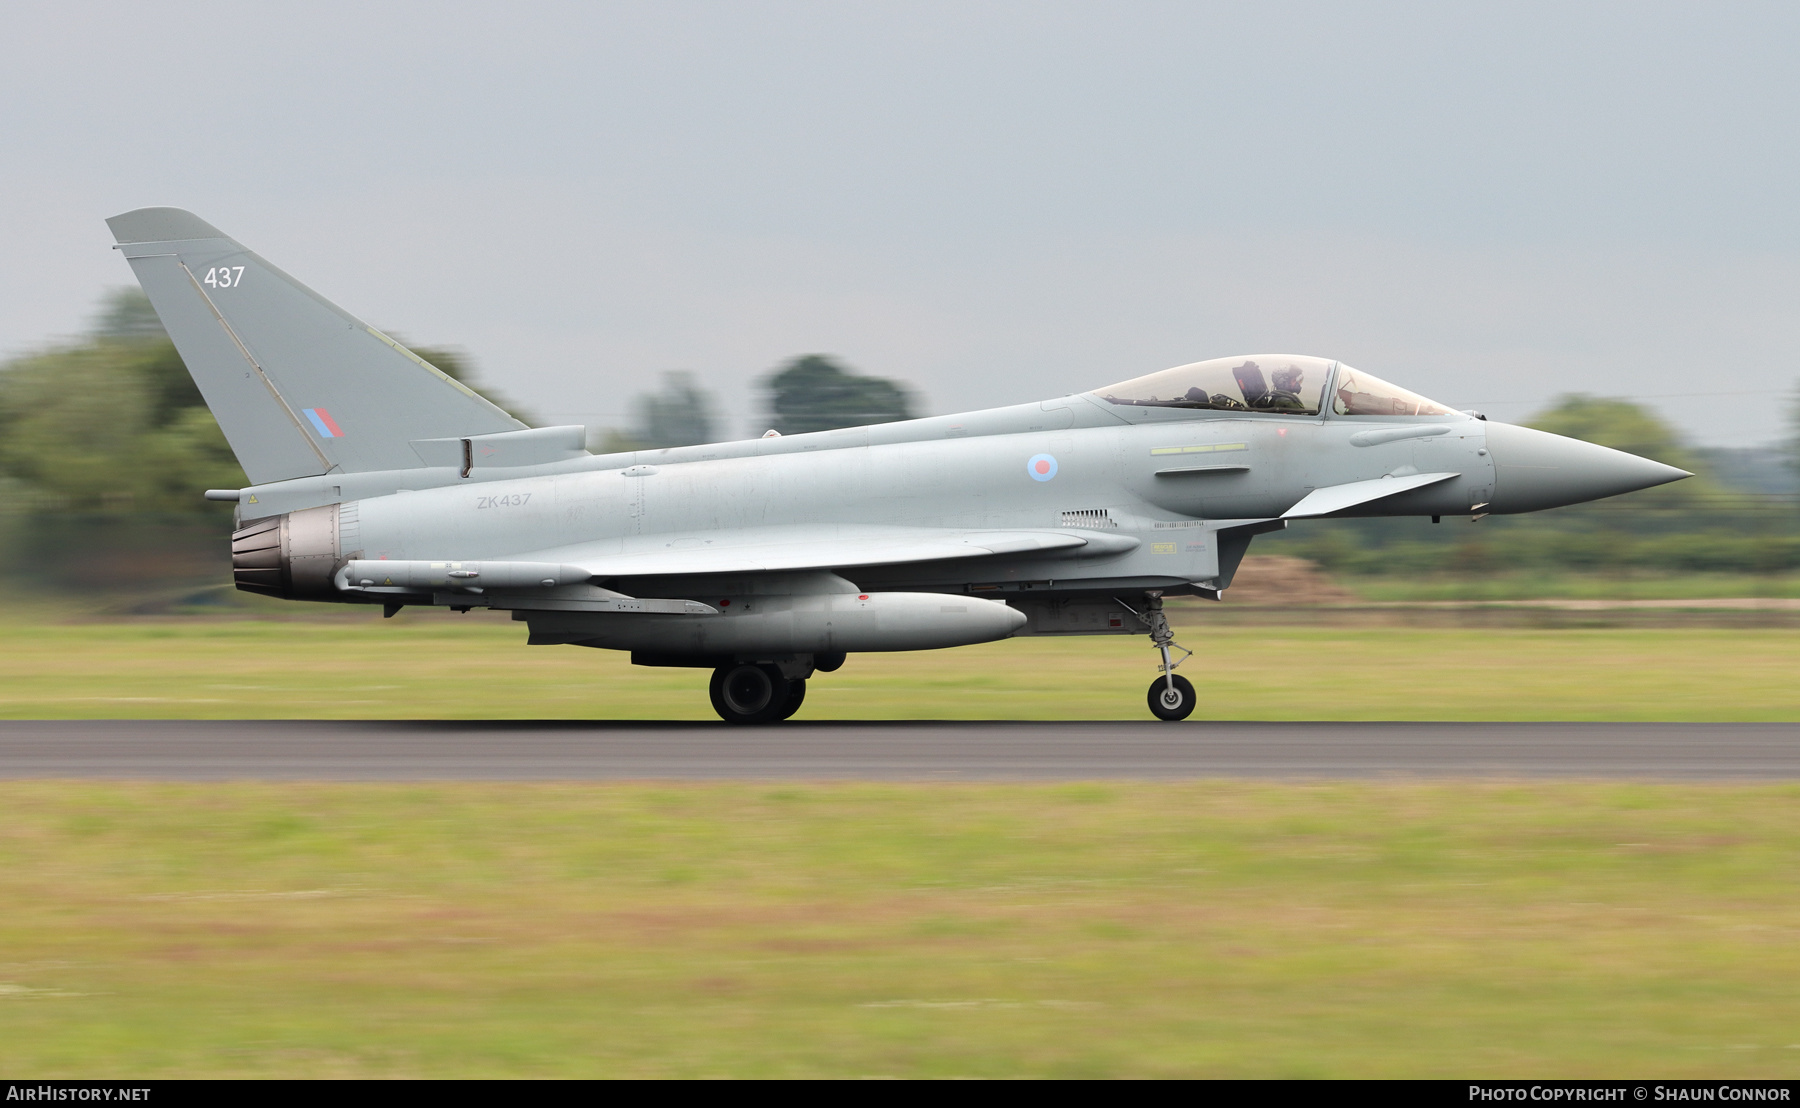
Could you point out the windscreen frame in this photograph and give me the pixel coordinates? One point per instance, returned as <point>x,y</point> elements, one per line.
<point>1328,407</point>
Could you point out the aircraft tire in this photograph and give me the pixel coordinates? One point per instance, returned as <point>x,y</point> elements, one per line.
<point>1172,705</point>
<point>796,696</point>
<point>749,693</point>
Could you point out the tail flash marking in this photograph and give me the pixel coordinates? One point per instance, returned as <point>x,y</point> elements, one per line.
<point>323,423</point>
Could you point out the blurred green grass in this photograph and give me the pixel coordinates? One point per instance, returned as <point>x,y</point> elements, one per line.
<point>1621,584</point>
<point>1194,929</point>
<point>438,665</point>
<point>1203,928</point>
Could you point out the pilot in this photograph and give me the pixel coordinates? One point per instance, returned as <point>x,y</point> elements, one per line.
<point>1285,396</point>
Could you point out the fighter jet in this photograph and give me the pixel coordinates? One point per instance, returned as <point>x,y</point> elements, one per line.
<point>377,479</point>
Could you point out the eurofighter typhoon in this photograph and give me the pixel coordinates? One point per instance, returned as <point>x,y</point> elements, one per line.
<point>377,479</point>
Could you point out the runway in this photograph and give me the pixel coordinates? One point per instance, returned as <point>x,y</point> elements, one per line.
<point>517,751</point>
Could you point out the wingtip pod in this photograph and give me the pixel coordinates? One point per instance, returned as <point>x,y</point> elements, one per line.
<point>161,225</point>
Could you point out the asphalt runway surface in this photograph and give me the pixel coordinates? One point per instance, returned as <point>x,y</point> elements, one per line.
<point>520,751</point>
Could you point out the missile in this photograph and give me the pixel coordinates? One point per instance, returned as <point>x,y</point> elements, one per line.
<point>362,573</point>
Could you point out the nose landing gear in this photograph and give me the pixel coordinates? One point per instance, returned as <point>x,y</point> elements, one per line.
<point>1171,697</point>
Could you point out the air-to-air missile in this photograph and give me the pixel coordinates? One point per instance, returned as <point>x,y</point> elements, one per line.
<point>377,479</point>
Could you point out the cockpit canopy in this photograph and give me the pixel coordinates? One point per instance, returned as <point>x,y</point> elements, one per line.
<point>1282,383</point>
<point>1358,393</point>
<point>1273,384</point>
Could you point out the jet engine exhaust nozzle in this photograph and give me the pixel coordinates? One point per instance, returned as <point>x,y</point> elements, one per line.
<point>292,556</point>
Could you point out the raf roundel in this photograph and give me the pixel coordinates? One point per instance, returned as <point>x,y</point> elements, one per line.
<point>1042,467</point>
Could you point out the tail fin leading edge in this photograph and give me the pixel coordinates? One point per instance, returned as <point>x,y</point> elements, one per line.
<point>299,386</point>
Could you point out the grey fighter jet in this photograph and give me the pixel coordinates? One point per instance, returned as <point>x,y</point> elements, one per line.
<point>377,479</point>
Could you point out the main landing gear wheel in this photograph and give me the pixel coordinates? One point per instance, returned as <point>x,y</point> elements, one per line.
<point>751,694</point>
<point>1172,698</point>
<point>796,696</point>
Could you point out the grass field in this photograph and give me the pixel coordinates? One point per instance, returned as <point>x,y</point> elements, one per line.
<point>831,929</point>
<point>1570,585</point>
<point>914,930</point>
<point>445,666</point>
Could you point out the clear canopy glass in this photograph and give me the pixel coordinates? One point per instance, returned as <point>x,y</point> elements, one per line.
<point>1274,384</point>
<point>1286,384</point>
<point>1358,393</point>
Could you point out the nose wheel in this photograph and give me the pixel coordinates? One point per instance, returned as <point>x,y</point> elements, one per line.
<point>1171,697</point>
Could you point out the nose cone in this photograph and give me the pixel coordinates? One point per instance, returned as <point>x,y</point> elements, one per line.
<point>1535,470</point>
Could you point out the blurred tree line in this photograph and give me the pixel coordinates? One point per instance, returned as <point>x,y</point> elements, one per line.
<point>112,424</point>
<point>1739,513</point>
<point>808,393</point>
<point>105,447</point>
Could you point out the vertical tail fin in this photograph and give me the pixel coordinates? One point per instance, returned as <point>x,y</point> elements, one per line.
<point>299,386</point>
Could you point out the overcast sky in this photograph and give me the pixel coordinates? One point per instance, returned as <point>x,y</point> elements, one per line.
<point>998,202</point>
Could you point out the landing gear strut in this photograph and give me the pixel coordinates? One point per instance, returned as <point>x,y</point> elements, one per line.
<point>1171,698</point>
<point>750,693</point>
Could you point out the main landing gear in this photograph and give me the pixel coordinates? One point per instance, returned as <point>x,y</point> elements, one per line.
<point>762,692</point>
<point>1171,697</point>
<point>755,693</point>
